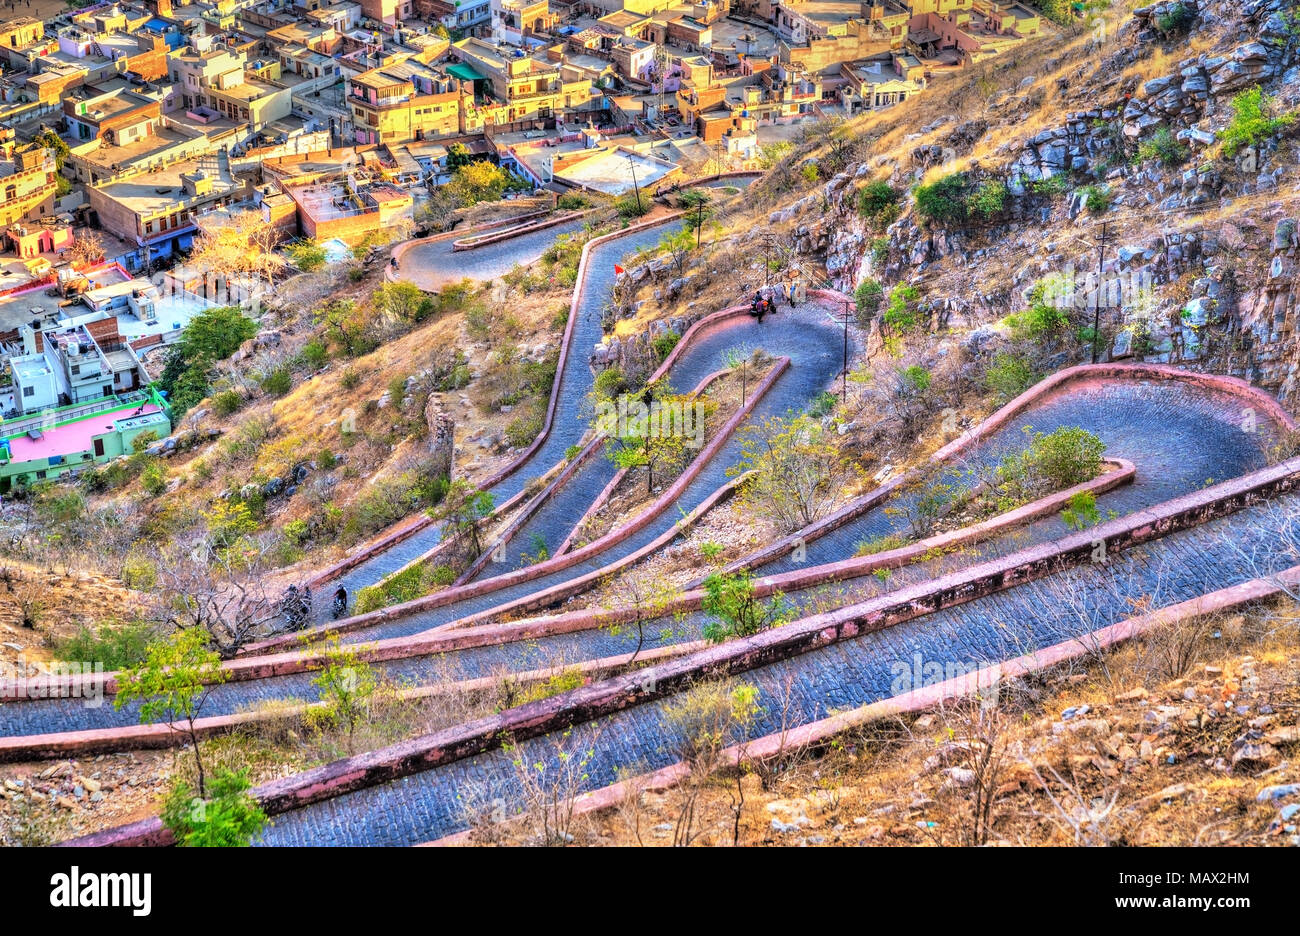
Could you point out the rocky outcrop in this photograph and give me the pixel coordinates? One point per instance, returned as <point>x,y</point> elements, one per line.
<point>1266,318</point>
<point>635,355</point>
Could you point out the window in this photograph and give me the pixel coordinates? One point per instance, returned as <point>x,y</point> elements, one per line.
<point>76,368</point>
<point>99,448</point>
<point>29,391</point>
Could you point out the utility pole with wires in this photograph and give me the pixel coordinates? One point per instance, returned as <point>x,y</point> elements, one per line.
<point>1100,292</point>
<point>843,319</point>
<point>632,165</point>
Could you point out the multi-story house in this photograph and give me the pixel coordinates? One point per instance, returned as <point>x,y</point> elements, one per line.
<point>28,184</point>
<point>403,102</point>
<point>523,85</point>
<point>156,211</point>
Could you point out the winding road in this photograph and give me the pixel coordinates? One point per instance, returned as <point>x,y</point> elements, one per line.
<point>1182,435</point>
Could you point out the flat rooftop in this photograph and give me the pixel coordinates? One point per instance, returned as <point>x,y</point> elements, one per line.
<point>611,172</point>
<point>75,437</point>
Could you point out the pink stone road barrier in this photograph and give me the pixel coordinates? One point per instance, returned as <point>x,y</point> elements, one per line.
<point>155,736</point>
<point>408,528</point>
<point>1251,397</point>
<point>817,733</point>
<point>608,490</point>
<point>530,509</point>
<point>732,658</point>
<point>474,631</point>
<point>483,240</point>
<point>556,563</point>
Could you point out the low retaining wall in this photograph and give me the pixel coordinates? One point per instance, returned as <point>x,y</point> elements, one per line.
<point>408,529</point>
<point>812,734</point>
<point>469,632</point>
<point>738,656</point>
<point>158,736</point>
<point>1254,397</point>
<point>557,563</point>
<point>469,243</point>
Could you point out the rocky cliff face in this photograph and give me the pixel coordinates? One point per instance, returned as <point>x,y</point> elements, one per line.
<point>1209,282</point>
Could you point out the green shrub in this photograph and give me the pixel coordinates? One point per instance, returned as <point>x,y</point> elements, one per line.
<point>154,478</point>
<point>1177,18</point>
<point>296,531</point>
<point>1096,198</point>
<point>1164,146</point>
<point>278,382</point>
<point>326,460</point>
<point>989,199</point>
<point>822,405</point>
<point>227,402</point>
<point>878,202</point>
<point>1251,122</point>
<point>869,295</point>
<point>664,343</point>
<point>1009,376</point>
<point>1047,314</point>
<point>1052,461</point>
<point>879,252</point>
<point>1051,187</point>
<point>902,314</point>
<point>116,647</point>
<point>523,430</point>
<point>629,206</point>
<point>735,610</point>
<point>610,383</point>
<point>881,544</point>
<point>350,379</point>
<point>1081,511</point>
<point>307,255</point>
<point>916,379</point>
<point>944,200</point>
<point>229,816</point>
<point>314,355</point>
<point>571,202</point>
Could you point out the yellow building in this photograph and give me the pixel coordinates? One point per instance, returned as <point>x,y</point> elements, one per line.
<point>403,102</point>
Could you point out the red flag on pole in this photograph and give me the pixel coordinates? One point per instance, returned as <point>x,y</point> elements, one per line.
<point>618,270</point>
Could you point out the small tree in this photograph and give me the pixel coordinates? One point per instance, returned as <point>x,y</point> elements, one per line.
<point>799,472</point>
<point>706,719</point>
<point>347,687</point>
<point>729,598</point>
<point>231,817</point>
<point>742,362</point>
<point>462,511</point>
<point>172,684</point>
<point>647,597</point>
<point>402,303</point>
<point>678,246</point>
<point>86,251</point>
<point>307,255</point>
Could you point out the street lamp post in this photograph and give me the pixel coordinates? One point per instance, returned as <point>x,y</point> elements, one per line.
<point>843,320</point>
